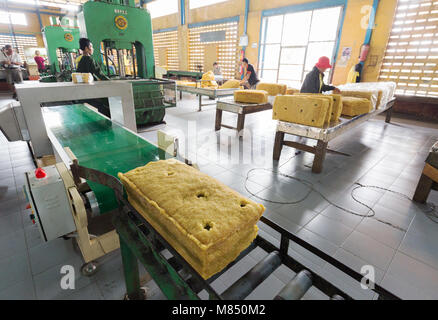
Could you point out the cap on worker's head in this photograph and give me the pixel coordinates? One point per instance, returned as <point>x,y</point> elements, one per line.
<point>323,63</point>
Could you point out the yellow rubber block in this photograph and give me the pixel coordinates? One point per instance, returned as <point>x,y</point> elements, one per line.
<point>82,77</point>
<point>230,84</point>
<point>290,91</point>
<point>329,114</point>
<point>186,83</point>
<point>208,223</point>
<point>352,106</point>
<point>337,107</point>
<point>272,89</point>
<point>375,100</point>
<point>306,110</point>
<point>251,96</point>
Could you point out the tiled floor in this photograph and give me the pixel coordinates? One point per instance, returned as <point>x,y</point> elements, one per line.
<point>399,241</point>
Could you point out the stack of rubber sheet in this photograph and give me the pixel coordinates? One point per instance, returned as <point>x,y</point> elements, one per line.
<point>100,144</point>
<point>379,93</point>
<point>208,223</point>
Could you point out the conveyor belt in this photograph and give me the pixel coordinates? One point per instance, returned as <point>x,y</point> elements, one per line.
<point>100,144</point>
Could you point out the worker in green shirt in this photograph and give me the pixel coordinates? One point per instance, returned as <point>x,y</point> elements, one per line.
<point>87,64</point>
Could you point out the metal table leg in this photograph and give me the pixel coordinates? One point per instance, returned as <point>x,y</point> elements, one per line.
<point>200,102</point>
<point>218,122</point>
<point>180,95</point>
<point>240,123</point>
<point>130,271</point>
<point>320,152</point>
<point>278,145</point>
<point>388,115</point>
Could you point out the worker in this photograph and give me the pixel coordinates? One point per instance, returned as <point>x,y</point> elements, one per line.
<point>78,58</point>
<point>355,73</point>
<point>11,61</point>
<point>218,77</point>
<point>87,64</point>
<point>39,61</point>
<point>250,78</point>
<point>314,81</point>
<point>216,69</point>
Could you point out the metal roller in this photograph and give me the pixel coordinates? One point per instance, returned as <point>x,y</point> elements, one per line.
<point>336,297</point>
<point>245,285</point>
<point>297,287</point>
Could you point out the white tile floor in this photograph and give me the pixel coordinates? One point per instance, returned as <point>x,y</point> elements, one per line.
<point>405,258</point>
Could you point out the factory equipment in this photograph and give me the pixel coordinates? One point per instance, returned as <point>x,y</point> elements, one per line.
<point>48,198</point>
<point>122,37</point>
<point>62,44</point>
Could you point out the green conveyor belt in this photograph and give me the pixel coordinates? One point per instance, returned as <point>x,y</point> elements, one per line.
<point>100,144</point>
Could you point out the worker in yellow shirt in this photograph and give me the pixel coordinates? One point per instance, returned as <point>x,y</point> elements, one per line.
<point>78,58</point>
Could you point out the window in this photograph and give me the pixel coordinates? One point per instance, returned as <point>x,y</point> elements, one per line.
<point>18,42</point>
<point>166,49</point>
<point>226,50</point>
<point>411,55</point>
<point>15,18</point>
<point>193,4</point>
<point>161,8</point>
<point>292,43</point>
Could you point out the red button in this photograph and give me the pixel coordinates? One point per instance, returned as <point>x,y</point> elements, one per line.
<point>40,173</point>
<point>28,206</point>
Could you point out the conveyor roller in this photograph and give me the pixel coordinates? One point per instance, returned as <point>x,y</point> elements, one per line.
<point>245,285</point>
<point>297,287</point>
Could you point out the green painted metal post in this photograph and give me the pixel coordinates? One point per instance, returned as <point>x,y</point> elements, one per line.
<point>57,37</point>
<point>130,271</point>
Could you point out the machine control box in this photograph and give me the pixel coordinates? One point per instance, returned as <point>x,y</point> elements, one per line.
<point>49,202</point>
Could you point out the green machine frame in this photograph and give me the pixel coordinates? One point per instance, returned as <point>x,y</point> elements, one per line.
<point>119,25</point>
<point>65,39</point>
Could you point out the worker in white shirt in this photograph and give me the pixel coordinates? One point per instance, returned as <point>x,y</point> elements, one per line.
<point>11,61</point>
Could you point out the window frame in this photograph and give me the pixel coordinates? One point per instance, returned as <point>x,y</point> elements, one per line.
<point>296,9</point>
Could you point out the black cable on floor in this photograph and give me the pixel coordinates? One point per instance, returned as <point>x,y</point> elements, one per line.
<point>431,213</point>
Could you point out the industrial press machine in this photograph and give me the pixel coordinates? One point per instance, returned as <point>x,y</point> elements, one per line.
<point>62,43</point>
<point>122,37</point>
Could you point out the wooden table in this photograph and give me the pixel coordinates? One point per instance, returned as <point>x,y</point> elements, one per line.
<point>241,109</point>
<point>429,176</point>
<point>322,135</point>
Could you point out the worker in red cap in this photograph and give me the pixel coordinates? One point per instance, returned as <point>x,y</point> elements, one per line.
<point>313,83</point>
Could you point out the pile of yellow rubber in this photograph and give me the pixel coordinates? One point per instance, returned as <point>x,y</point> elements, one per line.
<point>207,80</point>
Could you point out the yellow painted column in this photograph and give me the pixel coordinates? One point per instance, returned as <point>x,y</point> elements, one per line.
<point>379,40</point>
<point>183,46</point>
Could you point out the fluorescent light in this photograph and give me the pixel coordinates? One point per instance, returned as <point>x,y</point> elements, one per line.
<point>65,6</point>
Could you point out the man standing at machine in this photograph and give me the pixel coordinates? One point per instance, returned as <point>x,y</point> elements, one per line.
<point>87,63</point>
<point>250,78</point>
<point>314,81</point>
<point>11,61</point>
